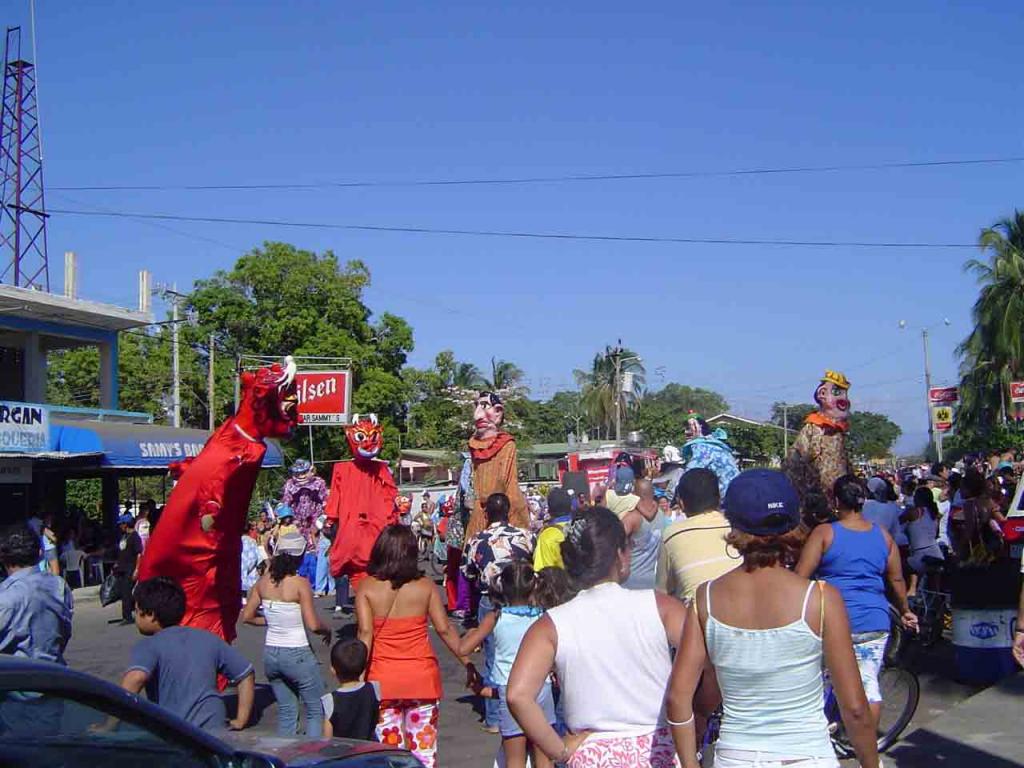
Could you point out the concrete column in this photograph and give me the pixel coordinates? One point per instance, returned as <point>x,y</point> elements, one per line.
<point>35,369</point>
<point>108,374</point>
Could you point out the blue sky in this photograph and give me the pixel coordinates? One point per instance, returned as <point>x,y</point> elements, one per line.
<point>248,92</point>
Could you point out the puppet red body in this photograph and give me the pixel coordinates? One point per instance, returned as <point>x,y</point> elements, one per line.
<point>361,502</point>
<point>198,541</point>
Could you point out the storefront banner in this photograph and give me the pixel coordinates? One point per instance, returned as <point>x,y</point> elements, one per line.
<point>24,428</point>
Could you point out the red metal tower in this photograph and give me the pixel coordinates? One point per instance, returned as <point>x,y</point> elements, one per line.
<point>22,208</point>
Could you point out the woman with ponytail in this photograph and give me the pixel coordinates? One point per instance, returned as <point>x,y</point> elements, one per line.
<point>860,559</point>
<point>611,648</point>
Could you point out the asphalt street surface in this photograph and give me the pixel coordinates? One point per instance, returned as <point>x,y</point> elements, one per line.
<point>101,648</point>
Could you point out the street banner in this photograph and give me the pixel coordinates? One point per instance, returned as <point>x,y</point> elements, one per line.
<point>943,395</point>
<point>1017,391</point>
<point>942,418</point>
<point>325,397</point>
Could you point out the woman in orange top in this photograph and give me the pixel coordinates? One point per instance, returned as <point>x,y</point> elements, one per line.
<point>392,607</point>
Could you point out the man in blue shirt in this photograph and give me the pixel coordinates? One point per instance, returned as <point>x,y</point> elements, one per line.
<point>35,607</point>
<point>35,623</point>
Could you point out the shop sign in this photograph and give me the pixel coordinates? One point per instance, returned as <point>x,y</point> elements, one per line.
<point>15,471</point>
<point>1017,391</point>
<point>943,395</point>
<point>24,427</point>
<point>942,418</point>
<point>324,397</point>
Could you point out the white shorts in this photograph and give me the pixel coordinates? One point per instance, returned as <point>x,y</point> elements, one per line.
<point>741,758</point>
<point>869,662</point>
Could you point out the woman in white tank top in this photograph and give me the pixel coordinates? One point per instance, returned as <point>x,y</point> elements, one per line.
<point>288,661</point>
<point>611,649</point>
<point>765,632</point>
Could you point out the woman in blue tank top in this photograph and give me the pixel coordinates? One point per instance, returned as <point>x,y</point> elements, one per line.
<point>859,559</point>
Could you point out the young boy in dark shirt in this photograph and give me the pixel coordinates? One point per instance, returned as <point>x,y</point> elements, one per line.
<point>352,711</point>
<point>178,666</point>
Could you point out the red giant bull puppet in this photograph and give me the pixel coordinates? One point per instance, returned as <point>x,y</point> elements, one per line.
<point>819,457</point>
<point>361,502</point>
<point>493,453</point>
<point>198,542</point>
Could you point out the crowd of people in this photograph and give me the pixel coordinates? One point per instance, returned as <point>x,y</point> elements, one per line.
<point>611,628</point>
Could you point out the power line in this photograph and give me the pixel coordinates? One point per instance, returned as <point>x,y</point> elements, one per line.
<point>517,234</point>
<point>570,178</point>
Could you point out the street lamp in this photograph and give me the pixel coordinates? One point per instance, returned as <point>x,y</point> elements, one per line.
<point>619,360</point>
<point>935,440</point>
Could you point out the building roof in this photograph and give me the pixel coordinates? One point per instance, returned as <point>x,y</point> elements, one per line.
<point>52,307</point>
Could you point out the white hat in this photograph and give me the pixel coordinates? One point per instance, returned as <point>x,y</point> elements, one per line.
<point>670,455</point>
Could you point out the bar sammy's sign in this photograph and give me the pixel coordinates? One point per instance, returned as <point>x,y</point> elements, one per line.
<point>325,397</point>
<point>24,428</point>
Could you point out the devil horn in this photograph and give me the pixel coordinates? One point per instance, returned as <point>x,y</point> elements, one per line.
<point>290,370</point>
<point>373,418</point>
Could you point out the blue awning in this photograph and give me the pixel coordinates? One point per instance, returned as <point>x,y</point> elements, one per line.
<point>137,446</point>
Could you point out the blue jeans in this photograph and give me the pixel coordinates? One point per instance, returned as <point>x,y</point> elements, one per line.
<point>341,598</point>
<point>294,675</point>
<point>491,710</point>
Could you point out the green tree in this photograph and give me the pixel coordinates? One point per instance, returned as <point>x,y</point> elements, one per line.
<point>754,444</point>
<point>662,415</point>
<point>144,377</point>
<point>872,435</point>
<point>796,414</point>
<point>602,385</point>
<point>438,418</point>
<point>279,300</point>
<point>993,354</point>
<point>505,376</point>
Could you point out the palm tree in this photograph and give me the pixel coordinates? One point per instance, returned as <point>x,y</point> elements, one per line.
<point>993,354</point>
<point>505,376</point>
<point>601,386</point>
<point>468,376</point>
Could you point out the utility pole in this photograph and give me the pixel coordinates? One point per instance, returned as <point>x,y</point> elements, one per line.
<point>618,394</point>
<point>209,387</point>
<point>936,440</point>
<point>785,430</point>
<point>175,363</point>
<point>171,294</point>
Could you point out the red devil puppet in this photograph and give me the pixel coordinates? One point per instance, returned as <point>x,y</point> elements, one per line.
<point>198,542</point>
<point>362,500</point>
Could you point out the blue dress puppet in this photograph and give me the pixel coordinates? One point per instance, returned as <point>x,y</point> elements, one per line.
<point>707,449</point>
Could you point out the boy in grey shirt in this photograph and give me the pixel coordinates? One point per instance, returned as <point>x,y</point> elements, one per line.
<point>178,666</point>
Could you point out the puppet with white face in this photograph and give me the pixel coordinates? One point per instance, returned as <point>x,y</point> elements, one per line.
<point>493,453</point>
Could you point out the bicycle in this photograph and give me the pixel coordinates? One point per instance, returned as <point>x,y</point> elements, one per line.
<point>901,693</point>
<point>931,605</point>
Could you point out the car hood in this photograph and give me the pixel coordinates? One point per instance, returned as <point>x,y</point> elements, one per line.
<point>299,752</point>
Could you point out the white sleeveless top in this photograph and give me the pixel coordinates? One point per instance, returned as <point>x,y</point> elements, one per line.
<point>613,660</point>
<point>284,625</point>
<point>772,694</point>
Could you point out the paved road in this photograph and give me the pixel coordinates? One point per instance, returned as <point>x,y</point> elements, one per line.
<point>102,649</point>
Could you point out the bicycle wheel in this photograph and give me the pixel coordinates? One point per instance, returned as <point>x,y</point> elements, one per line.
<point>901,692</point>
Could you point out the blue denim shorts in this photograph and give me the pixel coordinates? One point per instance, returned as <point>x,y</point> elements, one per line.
<point>507,724</point>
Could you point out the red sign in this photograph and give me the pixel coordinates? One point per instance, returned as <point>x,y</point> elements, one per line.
<point>943,395</point>
<point>325,397</point>
<point>1017,391</point>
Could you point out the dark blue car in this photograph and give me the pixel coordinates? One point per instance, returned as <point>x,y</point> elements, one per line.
<point>54,716</point>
